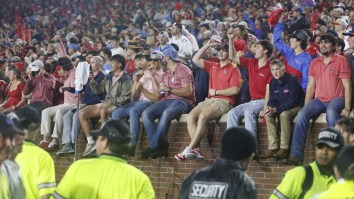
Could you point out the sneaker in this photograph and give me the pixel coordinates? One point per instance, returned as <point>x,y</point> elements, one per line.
<point>44,144</point>
<point>146,153</point>
<point>52,147</point>
<point>90,148</point>
<point>293,161</point>
<point>162,152</point>
<point>199,154</point>
<point>131,152</point>
<point>186,154</point>
<point>67,149</point>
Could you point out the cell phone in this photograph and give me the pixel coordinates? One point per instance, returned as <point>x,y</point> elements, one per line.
<point>90,68</point>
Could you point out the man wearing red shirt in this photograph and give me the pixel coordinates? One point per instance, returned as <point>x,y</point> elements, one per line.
<point>330,85</point>
<point>259,78</point>
<point>224,83</point>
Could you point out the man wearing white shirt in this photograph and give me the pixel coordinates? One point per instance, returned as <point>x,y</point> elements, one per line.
<point>116,48</point>
<point>180,40</point>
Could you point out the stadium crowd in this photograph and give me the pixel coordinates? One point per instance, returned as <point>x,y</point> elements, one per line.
<point>86,61</point>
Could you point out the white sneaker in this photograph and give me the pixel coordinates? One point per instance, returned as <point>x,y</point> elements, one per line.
<point>186,154</point>
<point>199,154</point>
<point>89,149</point>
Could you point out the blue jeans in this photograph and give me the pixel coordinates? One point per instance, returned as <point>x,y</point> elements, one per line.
<point>165,111</point>
<point>248,110</point>
<point>133,110</point>
<point>312,110</point>
<point>71,127</point>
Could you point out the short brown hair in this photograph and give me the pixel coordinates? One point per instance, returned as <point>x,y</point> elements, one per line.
<point>277,62</point>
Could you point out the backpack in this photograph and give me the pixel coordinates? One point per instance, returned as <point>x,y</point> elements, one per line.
<point>307,184</point>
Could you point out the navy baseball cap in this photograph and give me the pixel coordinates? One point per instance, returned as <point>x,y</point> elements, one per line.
<point>299,10</point>
<point>330,137</point>
<point>351,32</point>
<point>116,131</point>
<point>8,127</point>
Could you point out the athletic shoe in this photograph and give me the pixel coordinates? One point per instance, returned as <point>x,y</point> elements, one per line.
<point>146,153</point>
<point>67,149</point>
<point>199,154</point>
<point>90,148</point>
<point>52,147</point>
<point>187,153</point>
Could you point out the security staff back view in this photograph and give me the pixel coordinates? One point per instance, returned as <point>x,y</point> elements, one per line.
<point>225,177</point>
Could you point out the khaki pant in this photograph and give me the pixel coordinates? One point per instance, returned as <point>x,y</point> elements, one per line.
<point>286,118</point>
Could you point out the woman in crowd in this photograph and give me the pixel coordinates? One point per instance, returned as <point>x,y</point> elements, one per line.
<point>13,90</point>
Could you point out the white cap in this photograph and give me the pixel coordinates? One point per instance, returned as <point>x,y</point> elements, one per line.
<point>243,23</point>
<point>340,5</point>
<point>36,65</point>
<point>341,22</point>
<point>339,10</point>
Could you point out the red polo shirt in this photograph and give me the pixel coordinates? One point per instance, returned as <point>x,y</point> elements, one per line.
<point>258,77</point>
<point>223,78</point>
<point>328,78</point>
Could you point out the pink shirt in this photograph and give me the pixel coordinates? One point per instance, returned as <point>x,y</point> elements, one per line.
<point>42,88</point>
<point>146,80</point>
<point>116,78</point>
<point>182,75</point>
<point>328,78</point>
<point>69,81</point>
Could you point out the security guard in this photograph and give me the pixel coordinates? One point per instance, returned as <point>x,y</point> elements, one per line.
<point>225,177</point>
<point>307,181</point>
<point>344,170</point>
<point>7,132</point>
<point>37,166</point>
<point>109,175</point>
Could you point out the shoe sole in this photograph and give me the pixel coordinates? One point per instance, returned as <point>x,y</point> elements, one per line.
<point>51,149</point>
<point>179,158</point>
<point>64,153</point>
<point>191,156</point>
<point>200,157</point>
<point>158,155</point>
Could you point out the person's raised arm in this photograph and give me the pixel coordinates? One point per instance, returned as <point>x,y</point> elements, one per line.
<point>60,46</point>
<point>197,59</point>
<point>233,55</point>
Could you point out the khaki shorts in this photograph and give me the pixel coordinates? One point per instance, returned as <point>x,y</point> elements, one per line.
<point>223,104</point>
